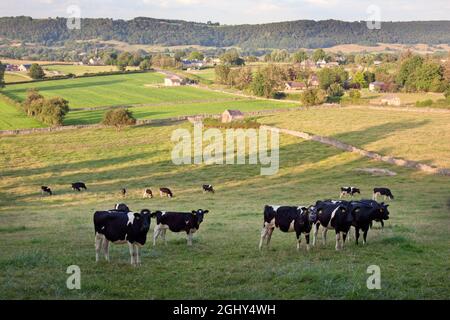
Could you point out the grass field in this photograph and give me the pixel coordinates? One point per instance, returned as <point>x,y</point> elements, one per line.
<point>79,70</point>
<point>16,77</point>
<point>405,98</point>
<point>11,118</point>
<point>161,111</point>
<point>412,135</point>
<point>42,236</point>
<point>113,90</point>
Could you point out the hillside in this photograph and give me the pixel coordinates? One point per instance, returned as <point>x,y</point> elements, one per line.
<point>290,35</point>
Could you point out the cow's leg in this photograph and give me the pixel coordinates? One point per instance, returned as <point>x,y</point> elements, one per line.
<point>299,239</point>
<point>343,236</point>
<point>356,234</point>
<point>374,196</point>
<point>307,241</point>
<point>269,235</point>
<point>106,249</point>
<point>138,255</point>
<point>156,233</point>
<point>340,196</point>
<point>316,231</point>
<point>324,236</point>
<point>163,235</point>
<point>338,238</point>
<point>264,232</point>
<point>189,238</point>
<point>98,245</point>
<point>382,225</point>
<point>365,235</point>
<point>349,233</point>
<point>132,256</point>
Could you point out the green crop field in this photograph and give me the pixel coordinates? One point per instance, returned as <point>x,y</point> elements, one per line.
<point>113,90</point>
<point>43,235</point>
<point>11,118</point>
<point>79,70</point>
<point>16,77</point>
<point>412,135</point>
<point>161,111</point>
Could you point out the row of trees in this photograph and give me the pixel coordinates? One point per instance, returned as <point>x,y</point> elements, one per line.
<point>49,111</point>
<point>2,75</point>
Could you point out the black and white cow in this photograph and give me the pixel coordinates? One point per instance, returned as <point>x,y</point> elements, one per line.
<point>165,192</point>
<point>349,191</point>
<point>147,193</point>
<point>208,188</point>
<point>188,222</point>
<point>382,192</point>
<point>121,207</point>
<point>287,219</point>
<point>119,226</point>
<point>78,186</point>
<point>45,189</point>
<point>334,215</point>
<point>366,211</point>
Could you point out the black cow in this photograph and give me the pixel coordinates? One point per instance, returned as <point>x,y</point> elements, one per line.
<point>366,211</point>
<point>349,191</point>
<point>165,192</point>
<point>121,207</point>
<point>147,193</point>
<point>333,215</point>
<point>45,189</point>
<point>188,222</point>
<point>287,219</point>
<point>78,186</point>
<point>118,226</point>
<point>382,192</point>
<point>208,188</point>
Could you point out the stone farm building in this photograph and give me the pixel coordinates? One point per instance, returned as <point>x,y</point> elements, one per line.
<point>173,81</point>
<point>391,100</point>
<point>293,85</point>
<point>231,115</point>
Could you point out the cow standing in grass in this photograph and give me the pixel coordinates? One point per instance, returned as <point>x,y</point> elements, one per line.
<point>364,212</point>
<point>349,191</point>
<point>46,190</point>
<point>119,226</point>
<point>208,188</point>
<point>78,186</point>
<point>382,192</point>
<point>188,222</point>
<point>147,193</point>
<point>334,215</point>
<point>165,192</point>
<point>287,219</point>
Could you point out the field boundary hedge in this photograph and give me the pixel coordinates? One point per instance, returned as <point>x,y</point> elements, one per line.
<point>368,154</point>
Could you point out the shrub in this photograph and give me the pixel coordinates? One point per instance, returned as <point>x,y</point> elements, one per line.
<point>424,103</point>
<point>311,97</point>
<point>36,72</point>
<point>119,118</point>
<point>354,94</point>
<point>49,111</point>
<point>335,90</point>
<point>247,123</point>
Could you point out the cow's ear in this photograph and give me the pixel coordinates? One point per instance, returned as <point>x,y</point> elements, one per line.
<point>137,215</point>
<point>194,212</point>
<point>206,211</point>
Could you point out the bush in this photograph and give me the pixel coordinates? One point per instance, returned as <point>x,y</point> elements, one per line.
<point>311,97</point>
<point>447,93</point>
<point>119,118</point>
<point>49,111</point>
<point>335,90</point>
<point>424,103</point>
<point>36,72</point>
<point>248,123</point>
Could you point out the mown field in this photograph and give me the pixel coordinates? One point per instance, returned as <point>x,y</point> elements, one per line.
<point>11,118</point>
<point>41,236</point>
<point>416,136</point>
<point>16,77</point>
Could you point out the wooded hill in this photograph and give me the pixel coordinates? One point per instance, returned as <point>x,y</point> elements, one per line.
<point>288,35</point>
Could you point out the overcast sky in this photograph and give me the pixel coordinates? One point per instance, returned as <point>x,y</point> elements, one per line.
<point>236,11</point>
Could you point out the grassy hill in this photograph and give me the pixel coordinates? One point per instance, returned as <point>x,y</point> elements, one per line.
<point>47,234</point>
<point>11,118</point>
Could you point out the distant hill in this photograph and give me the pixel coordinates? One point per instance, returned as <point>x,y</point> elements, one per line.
<point>290,35</point>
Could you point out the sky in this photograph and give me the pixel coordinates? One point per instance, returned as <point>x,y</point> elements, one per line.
<point>235,11</point>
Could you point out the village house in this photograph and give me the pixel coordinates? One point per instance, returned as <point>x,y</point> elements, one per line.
<point>24,67</point>
<point>174,81</point>
<point>95,61</point>
<point>293,85</point>
<point>231,115</point>
<point>314,81</point>
<point>193,64</point>
<point>321,63</point>
<point>377,86</point>
<point>391,100</point>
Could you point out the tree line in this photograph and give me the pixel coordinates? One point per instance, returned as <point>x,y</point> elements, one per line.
<point>289,35</point>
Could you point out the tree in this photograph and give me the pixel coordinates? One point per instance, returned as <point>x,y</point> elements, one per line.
<point>319,54</point>
<point>311,97</point>
<point>335,90</point>
<point>231,57</point>
<point>196,55</point>
<point>36,72</point>
<point>2,75</point>
<point>50,111</point>
<point>329,76</point>
<point>222,72</point>
<point>145,64</point>
<point>359,79</point>
<point>124,60</point>
<point>119,118</point>
<point>178,55</point>
<point>243,78</point>
<point>268,81</point>
<point>406,74</point>
<point>429,77</point>
<point>354,95</point>
<point>299,56</point>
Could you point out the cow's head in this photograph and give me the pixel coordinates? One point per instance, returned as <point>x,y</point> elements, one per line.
<point>142,220</point>
<point>344,214</point>
<point>121,207</point>
<point>383,212</point>
<point>312,214</point>
<point>199,214</point>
